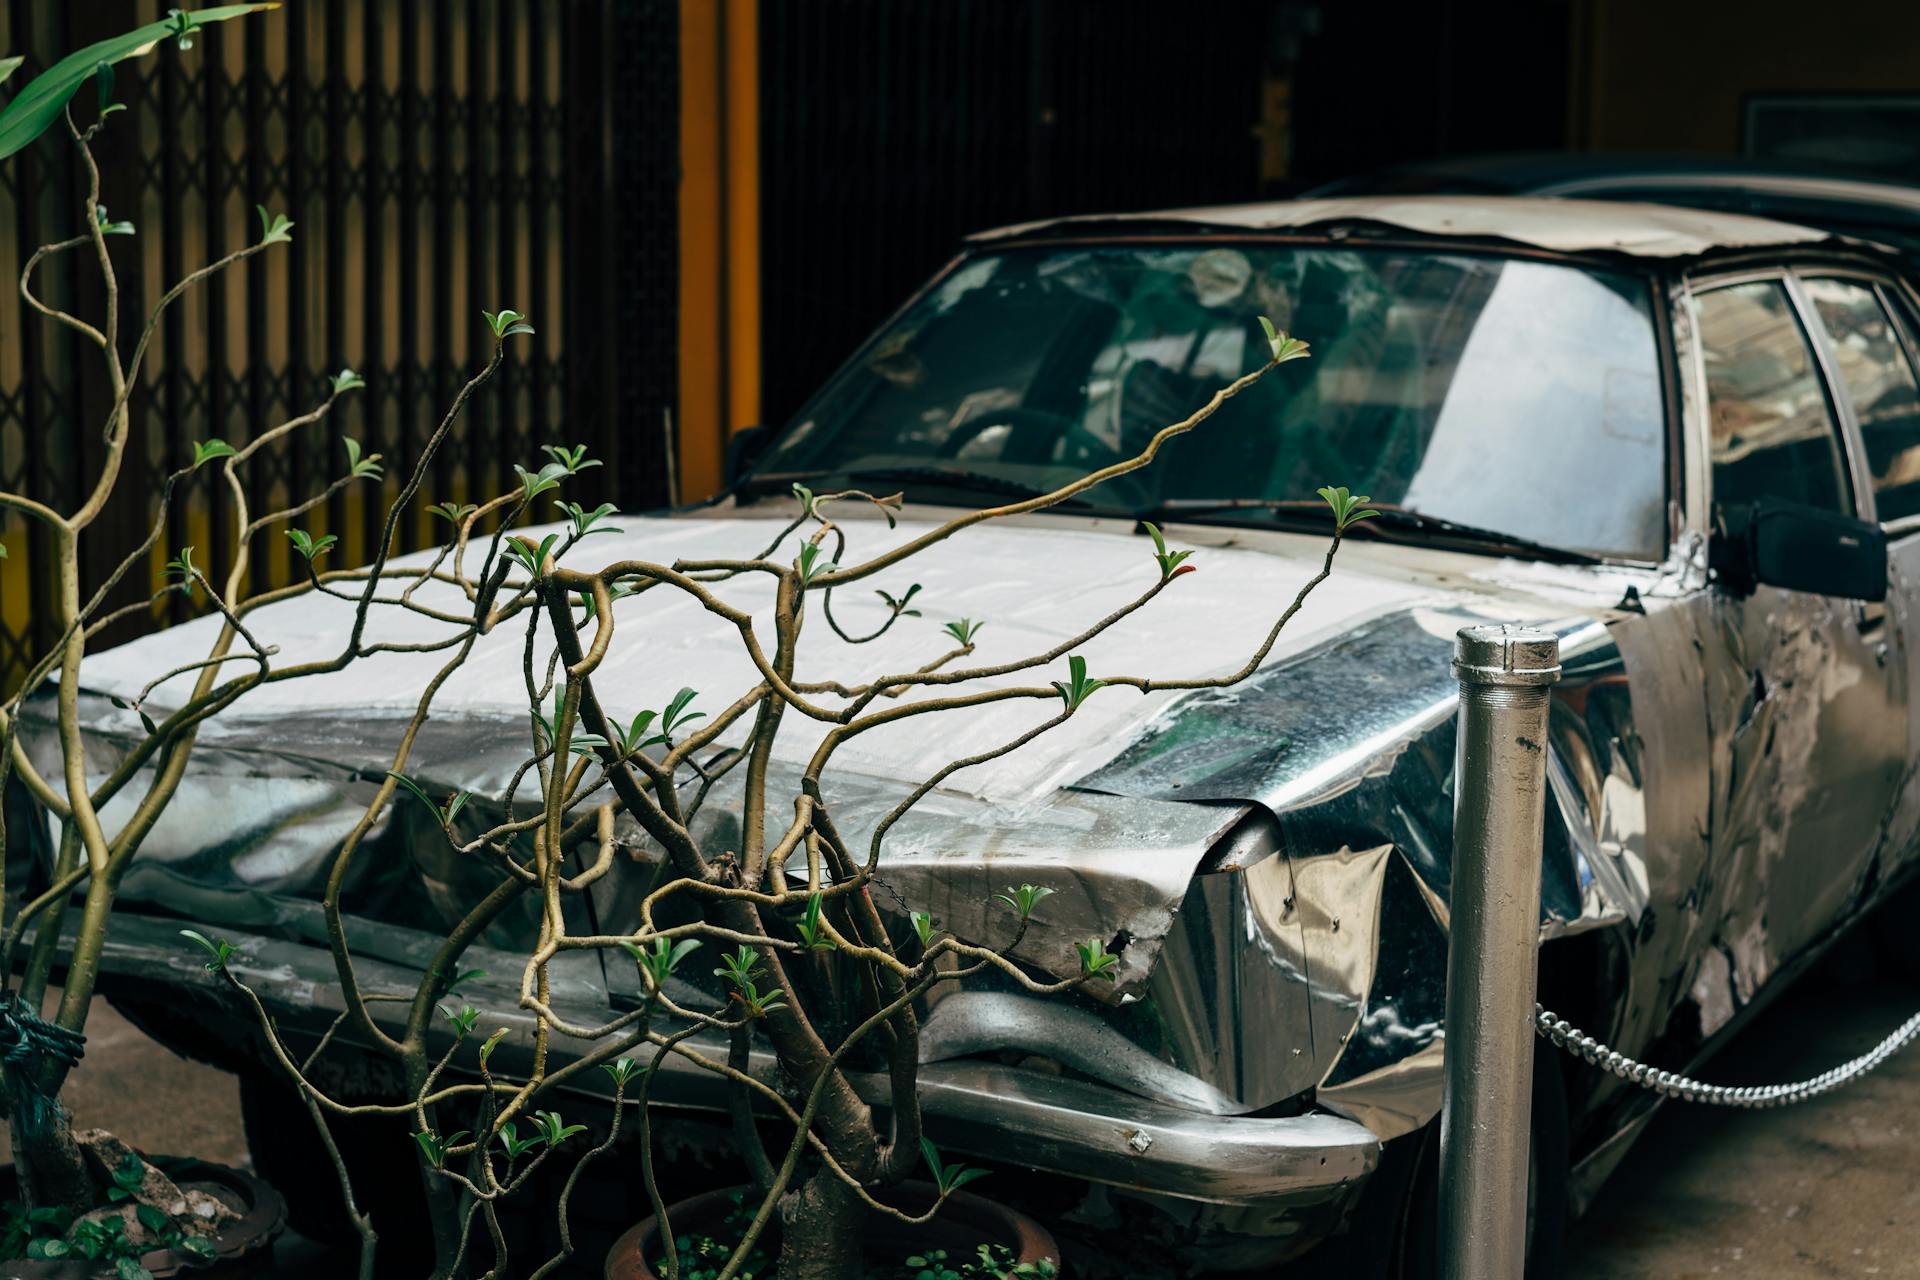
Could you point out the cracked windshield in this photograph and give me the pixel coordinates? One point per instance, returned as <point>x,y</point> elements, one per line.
<point>1475,398</point>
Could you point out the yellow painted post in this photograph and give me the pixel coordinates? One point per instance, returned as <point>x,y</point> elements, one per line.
<point>719,237</point>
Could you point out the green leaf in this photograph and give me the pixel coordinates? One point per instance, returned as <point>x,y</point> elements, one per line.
<point>531,558</point>
<point>584,521</point>
<point>346,380</point>
<point>452,512</point>
<point>10,65</point>
<point>3,551</point>
<point>415,787</point>
<point>308,545</point>
<point>221,951</point>
<point>275,228</point>
<point>899,606</point>
<point>672,719</point>
<point>1169,561</point>
<point>488,1045</point>
<point>621,1070</point>
<point>207,450</point>
<point>1095,960</point>
<point>813,934</point>
<point>1078,686</point>
<point>575,460</point>
<point>1348,509</point>
<point>537,483</point>
<point>1283,347</point>
<point>811,563</point>
<point>507,322</point>
<point>1023,899</point>
<point>35,108</point>
<point>357,466</point>
<point>963,630</point>
<point>151,1218</point>
<point>552,1131</point>
<point>463,1021</point>
<point>923,926</point>
<point>108,227</point>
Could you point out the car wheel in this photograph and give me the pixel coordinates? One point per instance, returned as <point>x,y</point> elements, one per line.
<point>1395,1229</point>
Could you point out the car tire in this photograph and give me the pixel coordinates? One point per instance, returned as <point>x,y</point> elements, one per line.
<point>1394,1233</point>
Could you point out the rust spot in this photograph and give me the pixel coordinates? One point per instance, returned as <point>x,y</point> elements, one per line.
<point>1528,743</point>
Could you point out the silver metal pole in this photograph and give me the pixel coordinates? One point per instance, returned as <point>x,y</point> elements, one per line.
<point>1500,783</point>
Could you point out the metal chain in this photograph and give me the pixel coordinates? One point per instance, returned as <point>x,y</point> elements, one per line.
<point>1552,1026</point>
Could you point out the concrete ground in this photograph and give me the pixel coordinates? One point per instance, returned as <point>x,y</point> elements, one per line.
<point>1829,1188</point>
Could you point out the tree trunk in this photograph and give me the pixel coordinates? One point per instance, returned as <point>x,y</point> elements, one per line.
<point>48,1164</point>
<point>822,1234</point>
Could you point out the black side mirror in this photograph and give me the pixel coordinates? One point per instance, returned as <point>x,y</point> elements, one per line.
<point>744,448</point>
<point>1799,548</point>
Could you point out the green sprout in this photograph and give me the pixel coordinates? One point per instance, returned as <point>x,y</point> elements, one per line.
<point>207,450</point>
<point>1348,509</point>
<point>660,960</point>
<point>529,557</point>
<point>435,1148</point>
<point>346,380</point>
<point>1078,686</point>
<point>507,322</point>
<point>584,521</point>
<point>948,1177</point>
<point>813,934</point>
<point>275,228</point>
<point>811,563</point>
<point>552,1130</point>
<point>463,1021</point>
<point>443,816</point>
<point>358,467</point>
<point>220,950</point>
<point>1169,561</point>
<point>535,483</point>
<point>963,630</point>
<point>574,460</point>
<point>1023,899</point>
<point>1283,347</point>
<point>1095,960</point>
<point>899,605</point>
<point>308,545</point>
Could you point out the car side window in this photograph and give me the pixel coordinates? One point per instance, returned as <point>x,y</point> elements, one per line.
<point>1879,382</point>
<point>1773,430</point>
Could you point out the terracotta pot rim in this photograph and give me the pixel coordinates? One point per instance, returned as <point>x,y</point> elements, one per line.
<point>1028,1240</point>
<point>255,1229</point>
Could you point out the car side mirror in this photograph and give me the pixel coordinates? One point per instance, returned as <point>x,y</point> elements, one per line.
<point>744,448</point>
<point>1800,548</point>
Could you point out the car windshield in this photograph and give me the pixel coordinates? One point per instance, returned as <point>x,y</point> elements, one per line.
<point>1512,396</point>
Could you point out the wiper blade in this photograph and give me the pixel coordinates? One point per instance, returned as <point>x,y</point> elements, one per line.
<point>1317,513</point>
<point>953,477</point>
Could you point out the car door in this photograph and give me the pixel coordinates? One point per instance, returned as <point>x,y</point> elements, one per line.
<point>1816,758</point>
<point>1867,323</point>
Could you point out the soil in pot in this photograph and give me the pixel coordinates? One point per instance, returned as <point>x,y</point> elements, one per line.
<point>241,1245</point>
<point>950,1244</point>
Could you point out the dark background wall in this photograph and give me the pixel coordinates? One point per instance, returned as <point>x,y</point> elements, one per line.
<point>889,130</point>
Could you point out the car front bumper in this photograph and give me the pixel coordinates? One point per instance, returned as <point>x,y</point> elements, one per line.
<point>1259,1169</point>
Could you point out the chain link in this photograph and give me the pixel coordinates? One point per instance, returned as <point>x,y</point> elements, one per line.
<point>1552,1026</point>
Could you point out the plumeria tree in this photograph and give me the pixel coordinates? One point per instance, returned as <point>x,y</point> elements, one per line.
<point>67,921</point>
<point>774,903</point>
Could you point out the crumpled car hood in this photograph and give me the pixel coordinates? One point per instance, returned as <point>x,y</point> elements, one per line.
<point>1095,809</point>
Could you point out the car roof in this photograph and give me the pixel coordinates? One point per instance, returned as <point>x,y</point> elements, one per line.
<point>1574,172</point>
<point>1634,230</point>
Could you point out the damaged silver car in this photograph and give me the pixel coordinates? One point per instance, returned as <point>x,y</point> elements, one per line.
<point>1688,443</point>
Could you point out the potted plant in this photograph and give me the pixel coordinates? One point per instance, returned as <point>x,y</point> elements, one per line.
<point>804,960</point>
<point>81,1202</point>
